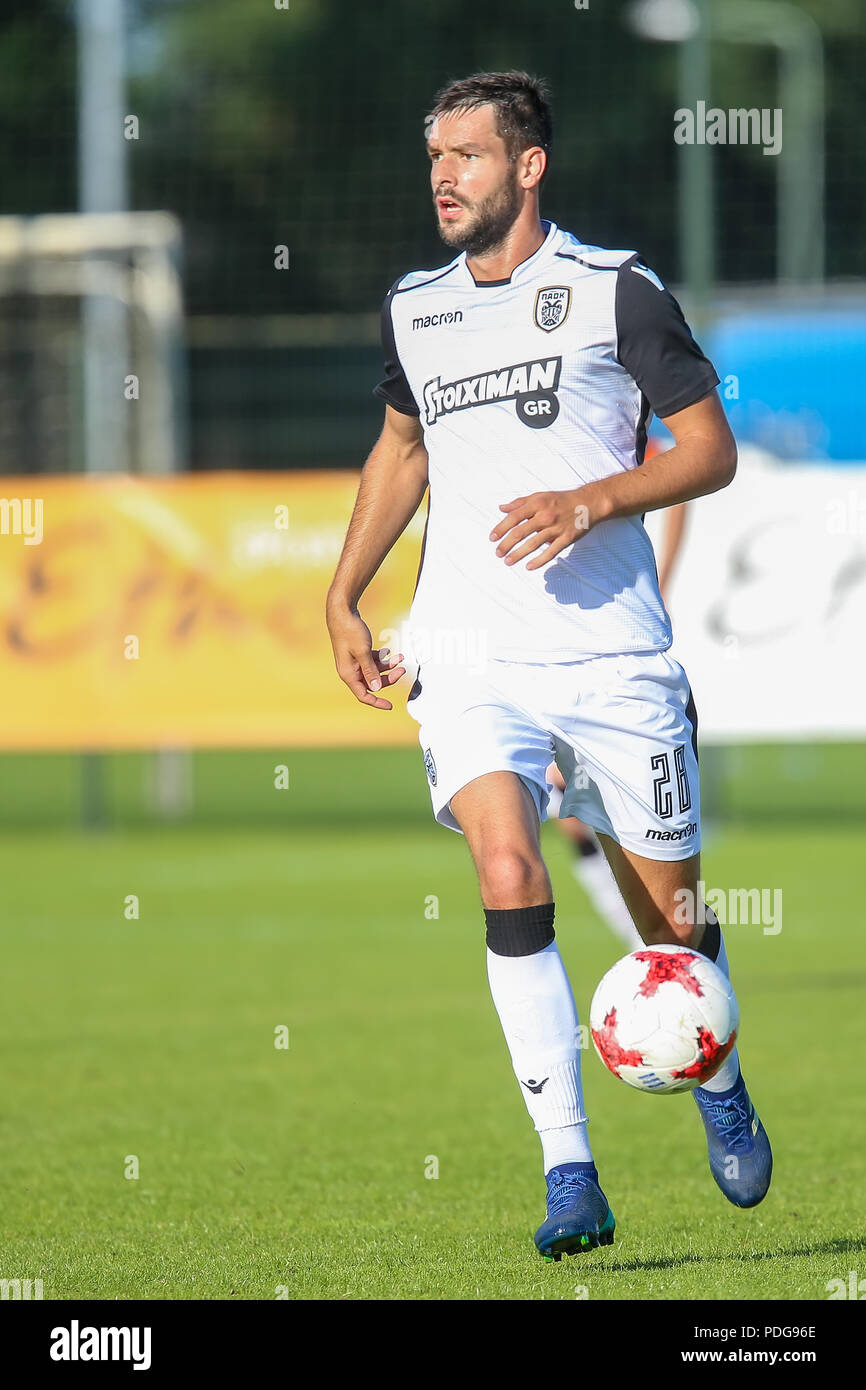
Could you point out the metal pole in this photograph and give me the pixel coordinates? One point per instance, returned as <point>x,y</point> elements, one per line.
<point>695,189</point>
<point>102,187</point>
<point>801,174</point>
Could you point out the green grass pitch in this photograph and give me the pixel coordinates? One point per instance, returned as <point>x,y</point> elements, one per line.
<point>299,1172</point>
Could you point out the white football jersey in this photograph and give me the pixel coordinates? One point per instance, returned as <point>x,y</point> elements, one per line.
<point>537,383</point>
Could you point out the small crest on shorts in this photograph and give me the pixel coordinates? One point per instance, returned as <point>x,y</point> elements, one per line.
<point>430,765</point>
<point>552,304</point>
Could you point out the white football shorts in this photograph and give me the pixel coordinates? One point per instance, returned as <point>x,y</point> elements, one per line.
<point>622,729</point>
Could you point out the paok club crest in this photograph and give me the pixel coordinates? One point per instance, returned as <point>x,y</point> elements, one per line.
<point>552,304</point>
<point>430,767</point>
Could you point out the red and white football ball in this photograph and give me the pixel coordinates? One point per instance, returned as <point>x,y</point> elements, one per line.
<point>664,1019</point>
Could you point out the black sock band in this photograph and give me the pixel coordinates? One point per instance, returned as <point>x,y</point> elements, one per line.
<point>711,941</point>
<point>519,931</point>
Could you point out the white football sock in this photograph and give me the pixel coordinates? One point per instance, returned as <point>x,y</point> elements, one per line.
<point>566,1145</point>
<point>730,1068</point>
<point>536,1008</point>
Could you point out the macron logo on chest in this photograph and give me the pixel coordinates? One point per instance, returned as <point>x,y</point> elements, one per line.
<point>437,320</point>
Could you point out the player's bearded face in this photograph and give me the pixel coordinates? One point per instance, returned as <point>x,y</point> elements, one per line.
<point>486,221</point>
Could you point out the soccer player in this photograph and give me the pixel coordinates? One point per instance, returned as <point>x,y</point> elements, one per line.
<point>519,379</point>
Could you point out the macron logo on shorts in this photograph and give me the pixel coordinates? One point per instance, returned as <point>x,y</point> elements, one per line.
<point>684,834</point>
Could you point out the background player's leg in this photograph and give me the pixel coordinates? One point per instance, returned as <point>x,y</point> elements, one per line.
<point>649,887</point>
<point>590,867</point>
<point>528,981</point>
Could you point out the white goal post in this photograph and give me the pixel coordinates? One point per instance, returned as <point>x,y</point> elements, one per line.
<point>91,343</point>
<point>92,380</point>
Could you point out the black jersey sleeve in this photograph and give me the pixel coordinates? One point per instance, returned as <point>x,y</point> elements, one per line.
<point>655,344</point>
<point>393,389</point>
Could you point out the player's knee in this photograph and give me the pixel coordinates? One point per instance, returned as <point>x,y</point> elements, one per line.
<point>512,877</point>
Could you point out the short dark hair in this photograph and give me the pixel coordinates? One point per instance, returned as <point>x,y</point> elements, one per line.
<point>521,102</point>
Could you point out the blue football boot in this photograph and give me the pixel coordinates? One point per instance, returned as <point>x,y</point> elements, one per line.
<point>741,1160</point>
<point>578,1216</point>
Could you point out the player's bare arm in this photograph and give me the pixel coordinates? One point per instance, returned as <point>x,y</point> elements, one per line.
<point>702,460</point>
<point>393,482</point>
<point>672,539</point>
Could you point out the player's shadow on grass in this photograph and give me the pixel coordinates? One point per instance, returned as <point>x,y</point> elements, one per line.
<point>824,1247</point>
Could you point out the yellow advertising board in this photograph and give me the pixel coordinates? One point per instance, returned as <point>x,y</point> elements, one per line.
<point>185,612</point>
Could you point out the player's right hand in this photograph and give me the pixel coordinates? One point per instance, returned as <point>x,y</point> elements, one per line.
<point>358,666</point>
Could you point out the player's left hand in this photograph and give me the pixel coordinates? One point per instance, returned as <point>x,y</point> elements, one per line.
<point>553,520</point>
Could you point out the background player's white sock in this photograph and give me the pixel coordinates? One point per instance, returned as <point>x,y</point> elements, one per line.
<point>595,876</point>
<point>536,1008</point>
<point>554,801</point>
<point>728,1072</point>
